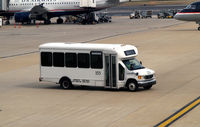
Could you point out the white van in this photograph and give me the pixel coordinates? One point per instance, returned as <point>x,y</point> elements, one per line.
<point>106,65</point>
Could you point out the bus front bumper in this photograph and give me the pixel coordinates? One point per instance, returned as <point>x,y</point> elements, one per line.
<point>146,83</point>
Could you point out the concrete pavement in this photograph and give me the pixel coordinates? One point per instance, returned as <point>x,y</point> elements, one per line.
<point>171,49</point>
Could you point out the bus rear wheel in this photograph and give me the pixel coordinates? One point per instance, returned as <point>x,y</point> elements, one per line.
<point>66,84</point>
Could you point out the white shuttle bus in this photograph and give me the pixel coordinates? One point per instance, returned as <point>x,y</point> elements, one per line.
<point>105,65</point>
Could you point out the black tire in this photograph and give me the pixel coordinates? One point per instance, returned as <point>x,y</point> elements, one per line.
<point>147,87</point>
<point>132,86</point>
<point>59,21</point>
<point>65,84</point>
<point>7,22</point>
<point>198,28</point>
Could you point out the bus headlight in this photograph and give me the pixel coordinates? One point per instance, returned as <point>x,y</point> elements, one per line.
<point>139,77</point>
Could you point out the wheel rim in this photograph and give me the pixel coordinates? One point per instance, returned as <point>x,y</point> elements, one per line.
<point>65,84</point>
<point>132,86</point>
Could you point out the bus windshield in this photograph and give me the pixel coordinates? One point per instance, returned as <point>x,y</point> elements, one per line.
<point>132,64</point>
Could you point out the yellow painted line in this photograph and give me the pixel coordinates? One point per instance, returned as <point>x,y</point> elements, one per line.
<point>179,113</point>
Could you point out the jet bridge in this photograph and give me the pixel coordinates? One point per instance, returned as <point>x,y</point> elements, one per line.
<point>4,5</point>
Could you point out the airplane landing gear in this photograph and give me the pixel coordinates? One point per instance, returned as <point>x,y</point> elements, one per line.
<point>199,25</point>
<point>7,22</point>
<point>89,18</point>
<point>48,21</point>
<point>59,21</point>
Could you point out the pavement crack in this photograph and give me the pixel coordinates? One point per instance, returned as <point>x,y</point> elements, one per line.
<point>21,54</point>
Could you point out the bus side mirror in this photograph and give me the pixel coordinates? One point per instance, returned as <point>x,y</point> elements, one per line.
<point>141,62</point>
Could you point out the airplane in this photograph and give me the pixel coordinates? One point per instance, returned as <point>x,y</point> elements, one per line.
<point>190,13</point>
<point>26,11</point>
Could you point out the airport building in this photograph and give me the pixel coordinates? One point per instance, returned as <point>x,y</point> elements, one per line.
<point>3,5</point>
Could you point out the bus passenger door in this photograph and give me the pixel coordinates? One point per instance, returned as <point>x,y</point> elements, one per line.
<point>110,71</point>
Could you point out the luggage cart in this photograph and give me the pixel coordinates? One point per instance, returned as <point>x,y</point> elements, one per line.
<point>146,14</point>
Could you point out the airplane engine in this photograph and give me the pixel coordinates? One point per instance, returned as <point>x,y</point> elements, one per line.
<point>39,12</point>
<point>22,17</point>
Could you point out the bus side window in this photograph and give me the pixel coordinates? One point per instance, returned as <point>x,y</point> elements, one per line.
<point>58,59</point>
<point>121,72</point>
<point>46,59</point>
<point>83,60</point>
<point>96,60</point>
<point>70,60</point>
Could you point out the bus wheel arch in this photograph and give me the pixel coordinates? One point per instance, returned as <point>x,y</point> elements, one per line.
<point>132,85</point>
<point>65,83</point>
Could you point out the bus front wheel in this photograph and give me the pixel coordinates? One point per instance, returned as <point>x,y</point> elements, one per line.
<point>66,84</point>
<point>132,86</point>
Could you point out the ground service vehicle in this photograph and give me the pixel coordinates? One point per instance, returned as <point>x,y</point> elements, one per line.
<point>105,65</point>
<point>104,17</point>
<point>135,15</point>
<point>146,14</point>
<point>163,14</point>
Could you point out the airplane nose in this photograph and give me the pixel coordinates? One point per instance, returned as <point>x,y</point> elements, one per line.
<point>182,17</point>
<point>176,16</point>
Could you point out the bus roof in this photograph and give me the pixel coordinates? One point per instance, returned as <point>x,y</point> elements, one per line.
<point>120,49</point>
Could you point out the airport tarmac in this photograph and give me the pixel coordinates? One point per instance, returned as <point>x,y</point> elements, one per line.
<point>169,47</point>
<point>27,38</point>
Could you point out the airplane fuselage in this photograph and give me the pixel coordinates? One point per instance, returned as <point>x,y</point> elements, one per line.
<point>31,10</point>
<point>56,5</point>
<point>190,13</point>
<point>27,10</point>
